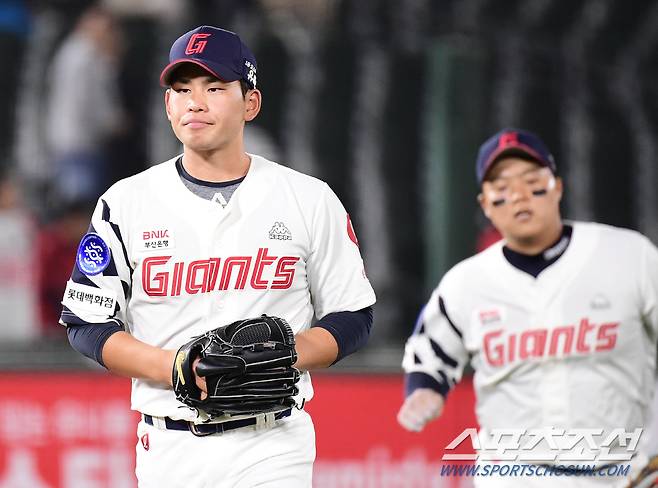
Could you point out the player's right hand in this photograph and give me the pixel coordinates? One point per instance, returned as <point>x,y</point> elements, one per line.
<point>200,381</point>
<point>422,406</point>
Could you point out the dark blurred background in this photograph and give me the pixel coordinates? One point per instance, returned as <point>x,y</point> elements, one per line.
<point>386,100</point>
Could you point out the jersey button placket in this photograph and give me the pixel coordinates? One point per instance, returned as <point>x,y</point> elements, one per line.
<point>553,376</point>
<point>219,249</point>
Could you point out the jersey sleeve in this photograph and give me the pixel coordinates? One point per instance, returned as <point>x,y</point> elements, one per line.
<point>100,282</point>
<point>435,354</point>
<point>649,284</point>
<point>335,269</point>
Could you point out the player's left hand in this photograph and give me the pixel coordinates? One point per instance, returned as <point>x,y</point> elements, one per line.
<point>422,406</point>
<point>243,368</point>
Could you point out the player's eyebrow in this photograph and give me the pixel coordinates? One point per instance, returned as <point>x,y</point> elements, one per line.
<point>207,79</point>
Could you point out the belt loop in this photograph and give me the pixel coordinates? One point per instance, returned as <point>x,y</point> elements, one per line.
<point>265,420</point>
<point>158,422</point>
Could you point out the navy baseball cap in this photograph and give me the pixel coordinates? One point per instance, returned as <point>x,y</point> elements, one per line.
<point>512,142</point>
<point>218,51</point>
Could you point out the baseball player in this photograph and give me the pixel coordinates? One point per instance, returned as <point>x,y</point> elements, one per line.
<point>209,237</point>
<point>559,319</point>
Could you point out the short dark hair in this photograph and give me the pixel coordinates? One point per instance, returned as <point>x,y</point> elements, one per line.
<point>244,86</point>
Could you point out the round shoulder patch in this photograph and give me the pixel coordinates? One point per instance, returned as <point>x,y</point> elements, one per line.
<point>93,254</point>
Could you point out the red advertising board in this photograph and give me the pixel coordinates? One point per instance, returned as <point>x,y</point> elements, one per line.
<point>76,430</point>
<point>66,430</point>
<point>360,444</point>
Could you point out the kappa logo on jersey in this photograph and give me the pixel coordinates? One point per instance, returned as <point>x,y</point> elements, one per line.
<point>93,254</point>
<point>262,272</point>
<point>280,232</point>
<point>600,302</point>
<point>196,44</point>
<point>569,340</point>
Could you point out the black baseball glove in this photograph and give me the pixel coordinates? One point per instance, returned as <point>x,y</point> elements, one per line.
<point>247,366</point>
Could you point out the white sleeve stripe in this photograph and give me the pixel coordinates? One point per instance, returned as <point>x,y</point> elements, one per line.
<point>446,358</point>
<point>429,361</point>
<point>122,267</point>
<point>117,233</point>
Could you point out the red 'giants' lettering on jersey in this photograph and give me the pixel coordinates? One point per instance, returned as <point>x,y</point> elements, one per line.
<point>206,275</point>
<point>567,340</point>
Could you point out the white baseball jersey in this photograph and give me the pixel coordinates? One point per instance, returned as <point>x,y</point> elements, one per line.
<point>181,265</point>
<point>573,348</point>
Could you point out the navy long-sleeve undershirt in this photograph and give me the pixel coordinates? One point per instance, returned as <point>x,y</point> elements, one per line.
<point>350,330</point>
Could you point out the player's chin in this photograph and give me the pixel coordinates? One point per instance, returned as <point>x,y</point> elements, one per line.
<point>199,144</point>
<point>526,229</point>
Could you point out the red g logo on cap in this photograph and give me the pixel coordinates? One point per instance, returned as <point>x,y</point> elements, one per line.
<point>509,139</point>
<point>196,44</point>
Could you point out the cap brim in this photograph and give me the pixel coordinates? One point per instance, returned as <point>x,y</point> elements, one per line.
<point>521,150</point>
<point>215,70</point>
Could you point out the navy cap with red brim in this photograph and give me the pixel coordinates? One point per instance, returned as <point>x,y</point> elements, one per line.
<point>220,52</point>
<point>512,142</point>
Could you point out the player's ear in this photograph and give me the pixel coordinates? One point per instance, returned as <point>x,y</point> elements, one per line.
<point>483,204</point>
<point>167,95</point>
<point>253,100</point>
<point>559,187</point>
